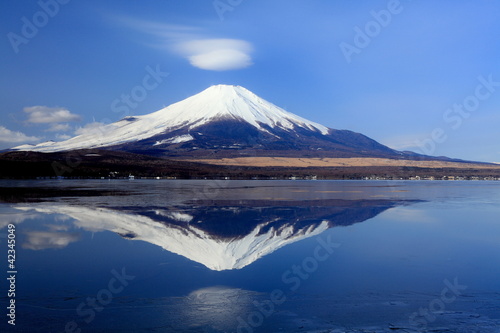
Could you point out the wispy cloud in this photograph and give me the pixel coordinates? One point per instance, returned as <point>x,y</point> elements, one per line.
<point>409,214</point>
<point>62,137</point>
<point>8,138</point>
<point>15,216</point>
<point>92,128</point>
<point>40,240</point>
<point>215,54</point>
<point>43,115</point>
<point>411,142</point>
<point>59,128</point>
<point>160,31</point>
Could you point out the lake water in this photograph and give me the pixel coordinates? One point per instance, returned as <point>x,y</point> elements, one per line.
<point>251,256</point>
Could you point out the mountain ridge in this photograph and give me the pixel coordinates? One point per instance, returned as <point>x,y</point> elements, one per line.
<point>221,120</point>
<point>218,102</point>
<point>226,121</point>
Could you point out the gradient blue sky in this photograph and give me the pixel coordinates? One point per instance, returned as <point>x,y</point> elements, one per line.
<point>397,87</point>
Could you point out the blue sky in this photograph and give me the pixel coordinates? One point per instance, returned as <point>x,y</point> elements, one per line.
<point>414,75</point>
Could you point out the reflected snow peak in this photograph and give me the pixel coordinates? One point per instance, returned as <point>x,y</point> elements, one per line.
<point>221,235</point>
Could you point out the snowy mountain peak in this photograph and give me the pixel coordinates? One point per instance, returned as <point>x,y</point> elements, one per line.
<point>227,91</point>
<point>234,102</point>
<point>225,88</point>
<point>218,102</point>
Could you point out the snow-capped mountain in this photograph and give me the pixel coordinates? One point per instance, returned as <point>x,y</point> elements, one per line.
<point>221,119</point>
<point>220,238</point>
<point>187,240</point>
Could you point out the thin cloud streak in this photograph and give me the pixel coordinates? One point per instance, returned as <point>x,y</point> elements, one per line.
<point>214,54</point>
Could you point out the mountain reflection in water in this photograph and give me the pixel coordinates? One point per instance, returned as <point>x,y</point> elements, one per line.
<point>221,235</point>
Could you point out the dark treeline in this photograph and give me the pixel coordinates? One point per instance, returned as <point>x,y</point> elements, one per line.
<point>112,164</point>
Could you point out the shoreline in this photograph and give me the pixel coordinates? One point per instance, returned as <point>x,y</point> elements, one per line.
<point>119,165</point>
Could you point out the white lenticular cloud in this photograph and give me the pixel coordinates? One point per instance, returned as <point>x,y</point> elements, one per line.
<point>217,54</point>
<point>39,114</point>
<point>221,60</point>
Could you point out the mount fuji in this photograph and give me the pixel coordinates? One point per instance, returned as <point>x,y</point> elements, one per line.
<point>222,121</point>
<point>226,236</point>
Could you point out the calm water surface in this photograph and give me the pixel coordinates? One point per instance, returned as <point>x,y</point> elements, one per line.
<point>252,256</point>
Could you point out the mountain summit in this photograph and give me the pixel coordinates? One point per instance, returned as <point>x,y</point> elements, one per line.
<point>222,121</point>
<point>225,102</point>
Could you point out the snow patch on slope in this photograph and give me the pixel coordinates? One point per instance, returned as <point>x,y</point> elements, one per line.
<point>176,139</point>
<point>177,216</point>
